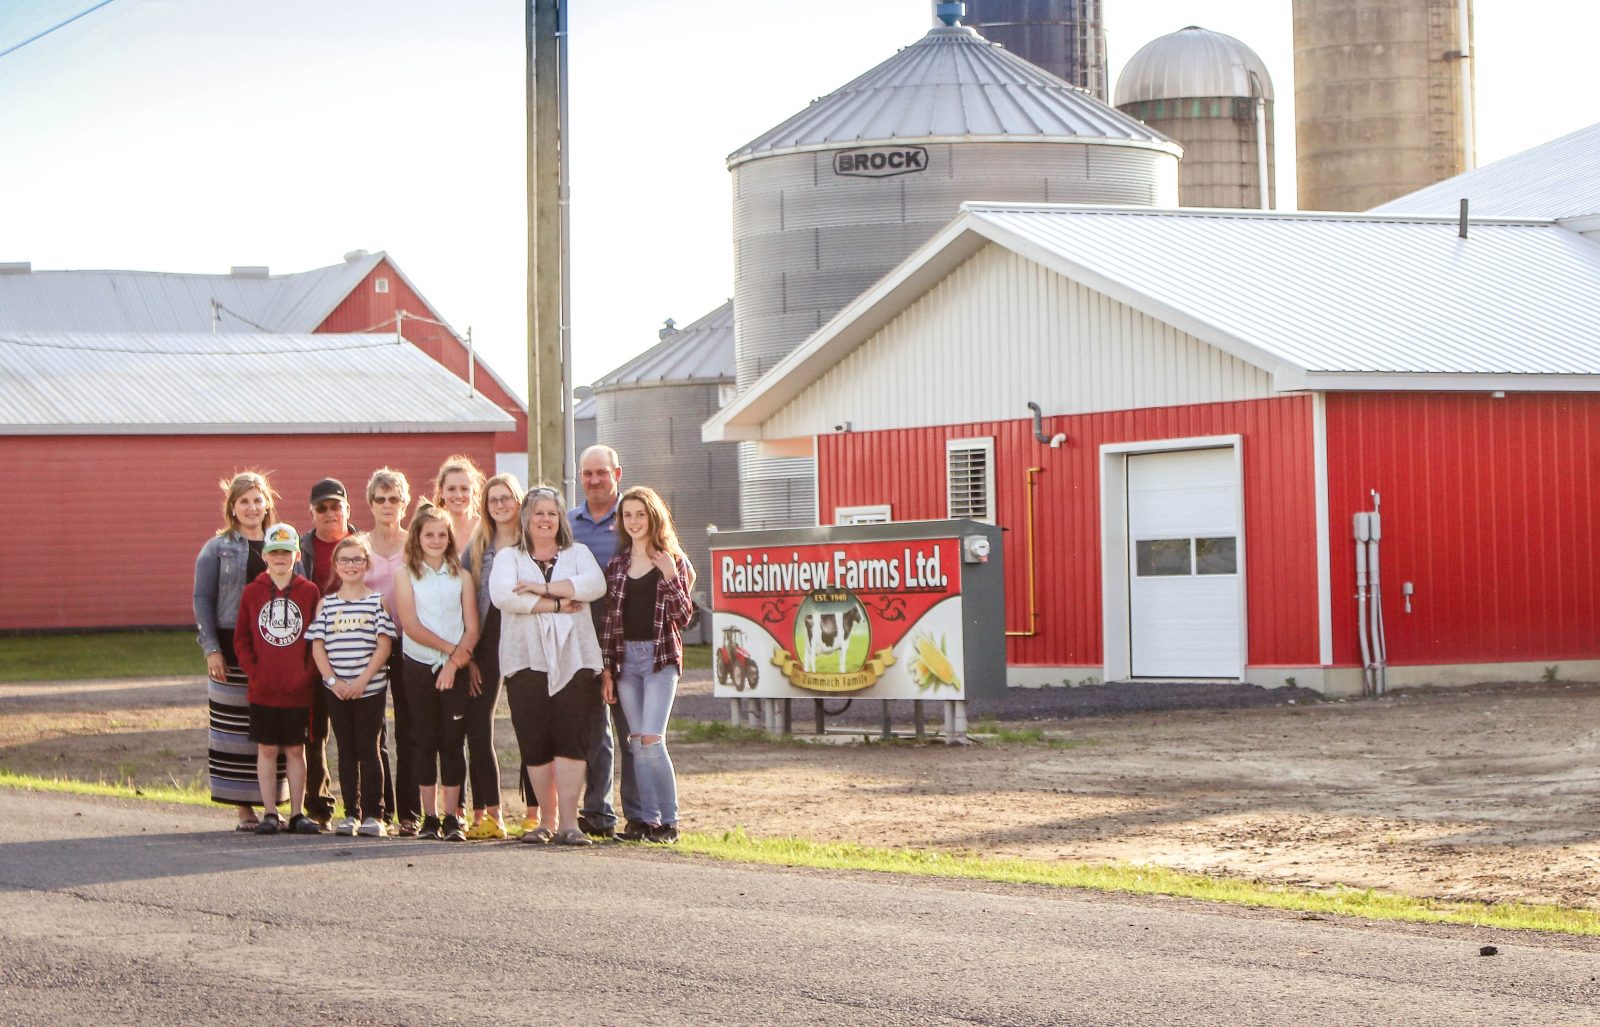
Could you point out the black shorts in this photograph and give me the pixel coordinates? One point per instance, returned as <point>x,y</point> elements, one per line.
<point>279,725</point>
<point>548,725</point>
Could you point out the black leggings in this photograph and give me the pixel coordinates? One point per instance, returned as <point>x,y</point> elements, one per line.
<point>483,762</point>
<point>357,726</point>
<point>438,726</point>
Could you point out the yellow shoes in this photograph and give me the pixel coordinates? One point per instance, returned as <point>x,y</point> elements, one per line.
<point>486,829</point>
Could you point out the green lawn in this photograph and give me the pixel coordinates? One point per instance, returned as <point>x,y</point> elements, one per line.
<point>140,654</point>
<point>118,654</point>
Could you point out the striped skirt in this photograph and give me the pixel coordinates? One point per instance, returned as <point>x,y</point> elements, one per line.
<point>232,755</point>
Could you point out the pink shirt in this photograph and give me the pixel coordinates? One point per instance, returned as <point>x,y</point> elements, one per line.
<point>380,577</point>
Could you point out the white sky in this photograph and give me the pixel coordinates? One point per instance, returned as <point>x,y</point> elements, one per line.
<point>191,135</point>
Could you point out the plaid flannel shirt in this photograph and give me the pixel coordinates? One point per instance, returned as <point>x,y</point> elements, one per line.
<point>674,610</point>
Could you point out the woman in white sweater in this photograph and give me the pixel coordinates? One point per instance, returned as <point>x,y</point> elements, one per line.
<point>550,658</point>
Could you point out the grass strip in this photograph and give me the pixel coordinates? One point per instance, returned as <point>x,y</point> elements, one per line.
<point>737,847</point>
<point>113,654</point>
<point>189,795</point>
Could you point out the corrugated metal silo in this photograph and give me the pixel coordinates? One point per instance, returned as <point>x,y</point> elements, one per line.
<point>1067,38</point>
<point>1212,94</point>
<point>584,432</point>
<point>1383,98</point>
<point>650,410</point>
<point>833,198</point>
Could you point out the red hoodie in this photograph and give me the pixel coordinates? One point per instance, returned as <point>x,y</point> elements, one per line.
<point>270,640</point>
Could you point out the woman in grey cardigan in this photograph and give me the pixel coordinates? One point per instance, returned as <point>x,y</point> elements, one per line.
<point>228,562</point>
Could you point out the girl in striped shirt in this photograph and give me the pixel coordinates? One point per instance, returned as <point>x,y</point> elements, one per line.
<point>351,636</point>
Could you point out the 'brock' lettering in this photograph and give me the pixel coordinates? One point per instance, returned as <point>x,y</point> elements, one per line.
<point>881,163</point>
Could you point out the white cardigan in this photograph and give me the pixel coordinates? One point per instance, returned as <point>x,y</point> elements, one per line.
<point>560,644</point>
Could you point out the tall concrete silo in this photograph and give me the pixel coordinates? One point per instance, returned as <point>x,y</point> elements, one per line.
<point>1383,98</point>
<point>1067,38</point>
<point>650,410</point>
<point>1213,95</point>
<point>834,197</point>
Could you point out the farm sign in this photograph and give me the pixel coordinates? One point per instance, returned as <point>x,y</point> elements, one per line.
<point>876,618</point>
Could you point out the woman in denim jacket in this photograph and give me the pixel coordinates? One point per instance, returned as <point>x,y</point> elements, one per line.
<point>228,562</point>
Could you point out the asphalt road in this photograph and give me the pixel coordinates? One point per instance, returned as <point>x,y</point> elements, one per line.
<point>118,912</point>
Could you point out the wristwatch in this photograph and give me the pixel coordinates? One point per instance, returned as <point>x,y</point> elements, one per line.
<point>330,682</point>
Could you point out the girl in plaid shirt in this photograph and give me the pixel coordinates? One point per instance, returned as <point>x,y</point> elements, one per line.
<point>647,606</point>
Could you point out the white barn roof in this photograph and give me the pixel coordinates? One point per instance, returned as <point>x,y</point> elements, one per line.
<point>153,301</point>
<point>1321,301</point>
<point>84,383</point>
<point>1553,180</point>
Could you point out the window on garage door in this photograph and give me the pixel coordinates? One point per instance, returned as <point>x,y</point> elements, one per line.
<point>1168,557</point>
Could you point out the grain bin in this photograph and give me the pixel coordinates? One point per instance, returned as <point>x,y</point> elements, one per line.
<point>831,199</point>
<point>1383,98</point>
<point>650,410</point>
<point>1213,95</point>
<point>1067,38</point>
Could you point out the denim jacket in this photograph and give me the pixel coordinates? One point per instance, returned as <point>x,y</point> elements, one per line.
<point>218,584</point>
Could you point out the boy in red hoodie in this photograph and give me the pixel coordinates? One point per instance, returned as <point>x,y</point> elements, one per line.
<point>270,641</point>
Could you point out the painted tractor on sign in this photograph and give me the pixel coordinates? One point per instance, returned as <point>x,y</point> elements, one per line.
<point>736,668</point>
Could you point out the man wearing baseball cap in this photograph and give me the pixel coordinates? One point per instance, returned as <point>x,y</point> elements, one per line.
<point>330,514</point>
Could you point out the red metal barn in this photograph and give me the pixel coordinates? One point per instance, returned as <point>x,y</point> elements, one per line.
<point>114,445</point>
<point>1221,394</point>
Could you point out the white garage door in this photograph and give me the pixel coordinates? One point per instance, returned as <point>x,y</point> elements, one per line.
<point>1183,560</point>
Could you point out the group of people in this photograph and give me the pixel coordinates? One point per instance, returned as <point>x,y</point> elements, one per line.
<point>488,589</point>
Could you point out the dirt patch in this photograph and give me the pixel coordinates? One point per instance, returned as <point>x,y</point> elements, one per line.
<point>1488,794</point>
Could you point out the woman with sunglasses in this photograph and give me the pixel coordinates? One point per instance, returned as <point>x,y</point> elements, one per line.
<point>551,658</point>
<point>388,497</point>
<point>498,529</point>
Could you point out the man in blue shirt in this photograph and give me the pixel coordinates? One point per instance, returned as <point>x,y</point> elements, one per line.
<point>594,523</point>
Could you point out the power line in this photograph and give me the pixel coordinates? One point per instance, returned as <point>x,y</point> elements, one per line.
<point>38,36</point>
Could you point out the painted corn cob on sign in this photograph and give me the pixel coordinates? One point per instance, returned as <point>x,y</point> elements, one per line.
<point>877,619</point>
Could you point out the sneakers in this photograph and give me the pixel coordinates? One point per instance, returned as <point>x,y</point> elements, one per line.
<point>371,828</point>
<point>407,828</point>
<point>346,827</point>
<point>663,834</point>
<point>430,829</point>
<point>485,829</point>
<point>634,832</point>
<point>270,824</point>
<point>452,830</point>
<point>594,830</point>
<point>302,824</point>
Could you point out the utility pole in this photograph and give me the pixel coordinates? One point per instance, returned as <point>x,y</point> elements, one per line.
<point>547,390</point>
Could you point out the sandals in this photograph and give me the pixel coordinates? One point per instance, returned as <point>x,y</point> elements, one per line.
<point>538,836</point>
<point>572,836</point>
<point>247,826</point>
<point>302,824</point>
<point>270,824</point>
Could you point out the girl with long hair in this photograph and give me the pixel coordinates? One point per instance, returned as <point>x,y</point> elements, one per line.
<point>439,617</point>
<point>647,608</point>
<point>455,490</point>
<point>498,529</point>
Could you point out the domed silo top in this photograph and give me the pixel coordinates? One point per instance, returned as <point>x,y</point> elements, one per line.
<point>952,85</point>
<point>699,352</point>
<point>1193,62</point>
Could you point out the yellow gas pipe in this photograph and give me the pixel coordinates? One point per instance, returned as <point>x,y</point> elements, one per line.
<point>1033,611</point>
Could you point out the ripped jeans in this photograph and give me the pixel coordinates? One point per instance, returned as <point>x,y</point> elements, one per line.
<point>646,696</point>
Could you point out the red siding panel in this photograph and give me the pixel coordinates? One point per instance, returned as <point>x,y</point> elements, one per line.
<point>1488,506</point>
<point>365,307</point>
<point>905,468</point>
<point>115,522</point>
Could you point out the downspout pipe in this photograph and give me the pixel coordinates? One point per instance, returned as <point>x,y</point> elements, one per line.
<point>1053,441</point>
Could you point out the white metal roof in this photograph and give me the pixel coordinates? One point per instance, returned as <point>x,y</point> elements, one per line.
<point>1323,301</point>
<point>1192,62</point>
<point>1557,179</point>
<point>952,85</point>
<point>87,383</point>
<point>699,352</point>
<point>153,301</point>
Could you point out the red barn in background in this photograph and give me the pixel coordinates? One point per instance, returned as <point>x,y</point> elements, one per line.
<point>1219,395</point>
<point>125,397</point>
